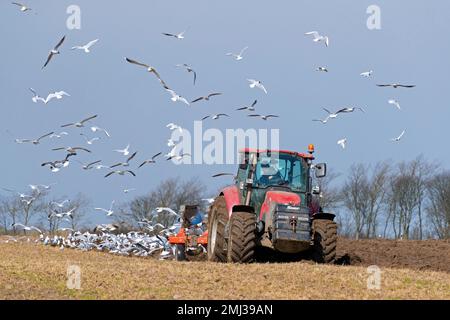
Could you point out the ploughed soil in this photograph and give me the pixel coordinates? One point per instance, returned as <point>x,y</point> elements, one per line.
<point>411,254</point>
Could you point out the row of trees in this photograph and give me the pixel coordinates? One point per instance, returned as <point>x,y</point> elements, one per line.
<point>40,209</point>
<point>405,200</point>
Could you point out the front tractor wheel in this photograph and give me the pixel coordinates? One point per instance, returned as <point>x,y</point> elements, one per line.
<point>242,238</point>
<point>325,239</point>
<point>217,220</point>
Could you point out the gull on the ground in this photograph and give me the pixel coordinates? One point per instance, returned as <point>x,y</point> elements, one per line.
<point>249,108</point>
<point>237,56</point>
<point>395,103</point>
<point>318,37</point>
<point>206,98</point>
<point>399,137</point>
<point>256,84</point>
<point>33,141</point>
<point>86,47</point>
<point>342,143</point>
<point>125,151</point>
<point>79,124</point>
<point>54,51</point>
<point>265,118</point>
<point>151,160</point>
<point>188,69</point>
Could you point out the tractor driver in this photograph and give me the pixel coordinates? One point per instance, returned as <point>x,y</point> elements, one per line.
<point>269,173</point>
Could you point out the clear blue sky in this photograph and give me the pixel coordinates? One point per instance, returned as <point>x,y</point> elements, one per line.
<point>411,47</point>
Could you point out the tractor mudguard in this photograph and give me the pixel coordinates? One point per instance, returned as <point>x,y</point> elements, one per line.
<point>232,198</point>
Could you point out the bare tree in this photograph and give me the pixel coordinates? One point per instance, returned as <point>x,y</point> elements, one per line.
<point>171,193</point>
<point>354,193</point>
<point>438,209</point>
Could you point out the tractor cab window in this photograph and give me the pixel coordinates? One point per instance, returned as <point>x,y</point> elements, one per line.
<point>281,170</point>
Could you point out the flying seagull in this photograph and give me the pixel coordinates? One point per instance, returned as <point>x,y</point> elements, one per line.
<point>173,126</point>
<point>395,103</point>
<point>149,69</point>
<point>58,95</point>
<point>322,69</point>
<point>23,7</point>
<point>36,97</point>
<point>72,149</point>
<point>152,160</point>
<point>128,190</point>
<point>178,35</point>
<point>399,137</point>
<point>79,124</point>
<point>34,141</point>
<point>206,98</point>
<point>366,74</point>
<point>125,151</point>
<point>89,166</point>
<point>237,56</point>
<point>349,109</point>
<point>318,37</point>
<point>396,85</point>
<point>342,143</point>
<point>54,51</point>
<point>120,172</point>
<point>265,118</point>
<point>108,212</point>
<point>124,164</point>
<point>331,115</point>
<point>179,157</point>
<point>323,121</point>
<point>89,141</point>
<point>86,47</point>
<point>55,166</point>
<point>215,116</point>
<point>58,135</point>
<point>249,108</point>
<point>188,69</point>
<point>60,204</point>
<point>223,174</point>
<point>95,129</point>
<point>26,228</point>
<point>176,97</point>
<point>257,84</point>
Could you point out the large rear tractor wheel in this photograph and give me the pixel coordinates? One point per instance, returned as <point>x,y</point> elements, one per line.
<point>217,220</point>
<point>325,239</point>
<point>242,238</point>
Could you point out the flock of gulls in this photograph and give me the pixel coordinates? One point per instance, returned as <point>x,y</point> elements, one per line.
<point>139,243</point>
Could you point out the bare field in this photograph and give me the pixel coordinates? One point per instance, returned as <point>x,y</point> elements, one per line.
<point>32,271</point>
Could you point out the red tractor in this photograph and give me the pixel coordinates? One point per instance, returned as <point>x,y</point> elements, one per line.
<point>271,204</point>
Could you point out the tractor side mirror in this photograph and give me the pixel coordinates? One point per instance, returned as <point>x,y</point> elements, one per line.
<point>320,170</point>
